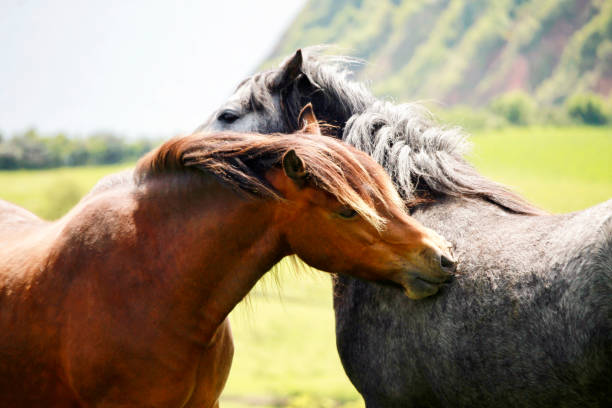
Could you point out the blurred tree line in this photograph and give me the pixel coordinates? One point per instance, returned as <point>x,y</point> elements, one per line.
<point>518,108</point>
<point>31,150</point>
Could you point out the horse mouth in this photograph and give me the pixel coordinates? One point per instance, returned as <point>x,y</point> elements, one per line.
<point>417,285</point>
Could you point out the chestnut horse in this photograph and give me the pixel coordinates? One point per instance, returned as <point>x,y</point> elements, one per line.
<point>123,302</point>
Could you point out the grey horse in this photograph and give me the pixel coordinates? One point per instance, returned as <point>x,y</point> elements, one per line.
<point>527,320</point>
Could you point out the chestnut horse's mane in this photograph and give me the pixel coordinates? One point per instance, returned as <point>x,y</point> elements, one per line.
<point>241,160</point>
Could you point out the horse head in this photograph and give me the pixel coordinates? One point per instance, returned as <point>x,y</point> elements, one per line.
<point>364,232</point>
<point>270,101</point>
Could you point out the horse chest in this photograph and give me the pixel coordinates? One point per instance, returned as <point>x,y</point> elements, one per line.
<point>381,357</point>
<point>148,368</point>
<point>213,370</point>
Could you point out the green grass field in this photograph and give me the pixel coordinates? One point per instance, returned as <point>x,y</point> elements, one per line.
<point>560,169</point>
<point>284,335</point>
<point>51,193</point>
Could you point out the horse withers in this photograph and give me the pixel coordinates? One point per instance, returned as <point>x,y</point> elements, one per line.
<point>124,300</point>
<point>527,321</point>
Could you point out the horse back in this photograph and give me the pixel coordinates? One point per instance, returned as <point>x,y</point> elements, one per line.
<point>15,220</point>
<point>22,239</point>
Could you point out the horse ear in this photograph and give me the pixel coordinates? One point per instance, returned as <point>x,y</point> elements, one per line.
<point>308,121</point>
<point>290,70</point>
<point>293,167</point>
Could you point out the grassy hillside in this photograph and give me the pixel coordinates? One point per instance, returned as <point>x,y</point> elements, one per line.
<point>466,51</point>
<point>285,344</point>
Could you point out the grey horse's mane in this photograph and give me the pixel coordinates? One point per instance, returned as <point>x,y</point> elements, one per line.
<point>423,158</point>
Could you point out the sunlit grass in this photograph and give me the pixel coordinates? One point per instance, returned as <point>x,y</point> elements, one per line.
<point>560,169</point>
<point>285,345</point>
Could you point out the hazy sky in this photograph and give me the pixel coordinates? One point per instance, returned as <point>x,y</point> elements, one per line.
<point>136,67</point>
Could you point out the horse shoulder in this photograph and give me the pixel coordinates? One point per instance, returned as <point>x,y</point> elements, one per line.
<point>585,240</point>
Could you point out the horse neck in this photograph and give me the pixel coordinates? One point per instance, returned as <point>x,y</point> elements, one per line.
<point>224,243</point>
<point>192,249</point>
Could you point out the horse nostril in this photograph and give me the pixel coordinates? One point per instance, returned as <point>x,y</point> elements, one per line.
<point>447,264</point>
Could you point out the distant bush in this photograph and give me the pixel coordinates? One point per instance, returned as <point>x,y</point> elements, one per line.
<point>587,108</point>
<point>30,150</point>
<point>469,118</point>
<point>8,158</point>
<point>552,115</point>
<point>474,119</point>
<point>517,107</point>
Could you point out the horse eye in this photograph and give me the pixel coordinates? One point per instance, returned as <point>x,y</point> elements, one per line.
<point>228,116</point>
<point>347,213</point>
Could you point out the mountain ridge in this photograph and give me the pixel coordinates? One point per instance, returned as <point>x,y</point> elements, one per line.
<point>465,51</point>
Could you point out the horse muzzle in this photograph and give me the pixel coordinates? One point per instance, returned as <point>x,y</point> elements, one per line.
<point>435,267</point>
